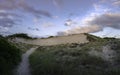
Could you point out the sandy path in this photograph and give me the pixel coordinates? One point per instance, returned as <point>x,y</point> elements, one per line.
<point>23,68</point>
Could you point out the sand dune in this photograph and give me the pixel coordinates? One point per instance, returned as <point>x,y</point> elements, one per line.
<point>77,38</point>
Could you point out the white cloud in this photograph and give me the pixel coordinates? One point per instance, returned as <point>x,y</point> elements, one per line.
<point>116,3</point>
<point>2,11</point>
<point>68,22</point>
<point>94,23</point>
<point>97,6</point>
<point>8,19</point>
<point>55,17</point>
<point>78,29</point>
<point>36,20</point>
<point>48,24</point>
<point>58,3</point>
<point>3,29</point>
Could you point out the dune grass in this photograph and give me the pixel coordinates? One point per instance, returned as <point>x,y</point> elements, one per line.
<point>22,46</point>
<point>10,56</point>
<point>65,61</point>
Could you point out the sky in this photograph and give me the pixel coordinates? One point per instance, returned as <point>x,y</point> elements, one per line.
<point>40,18</point>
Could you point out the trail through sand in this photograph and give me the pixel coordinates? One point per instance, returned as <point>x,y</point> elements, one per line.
<point>23,67</point>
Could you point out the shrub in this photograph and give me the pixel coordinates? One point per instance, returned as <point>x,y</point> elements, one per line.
<point>92,38</point>
<point>20,35</point>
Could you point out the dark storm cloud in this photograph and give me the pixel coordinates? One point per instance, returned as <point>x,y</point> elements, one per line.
<point>107,20</point>
<point>36,29</point>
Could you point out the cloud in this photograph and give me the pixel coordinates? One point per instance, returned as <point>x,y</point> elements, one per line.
<point>22,5</point>
<point>48,24</point>
<point>96,6</point>
<point>32,10</point>
<point>55,17</point>
<point>116,3</point>
<point>95,23</point>
<point>3,29</point>
<point>36,29</point>
<point>35,20</point>
<point>61,33</point>
<point>9,17</point>
<point>8,4</point>
<point>77,30</point>
<point>58,3</point>
<point>102,1</point>
<point>2,11</point>
<point>8,20</point>
<point>112,3</point>
<point>70,22</point>
<point>106,20</point>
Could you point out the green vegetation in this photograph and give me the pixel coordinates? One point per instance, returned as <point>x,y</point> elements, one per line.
<point>22,46</point>
<point>74,59</point>
<point>51,36</point>
<point>20,35</point>
<point>9,57</point>
<point>92,38</point>
<point>61,60</point>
